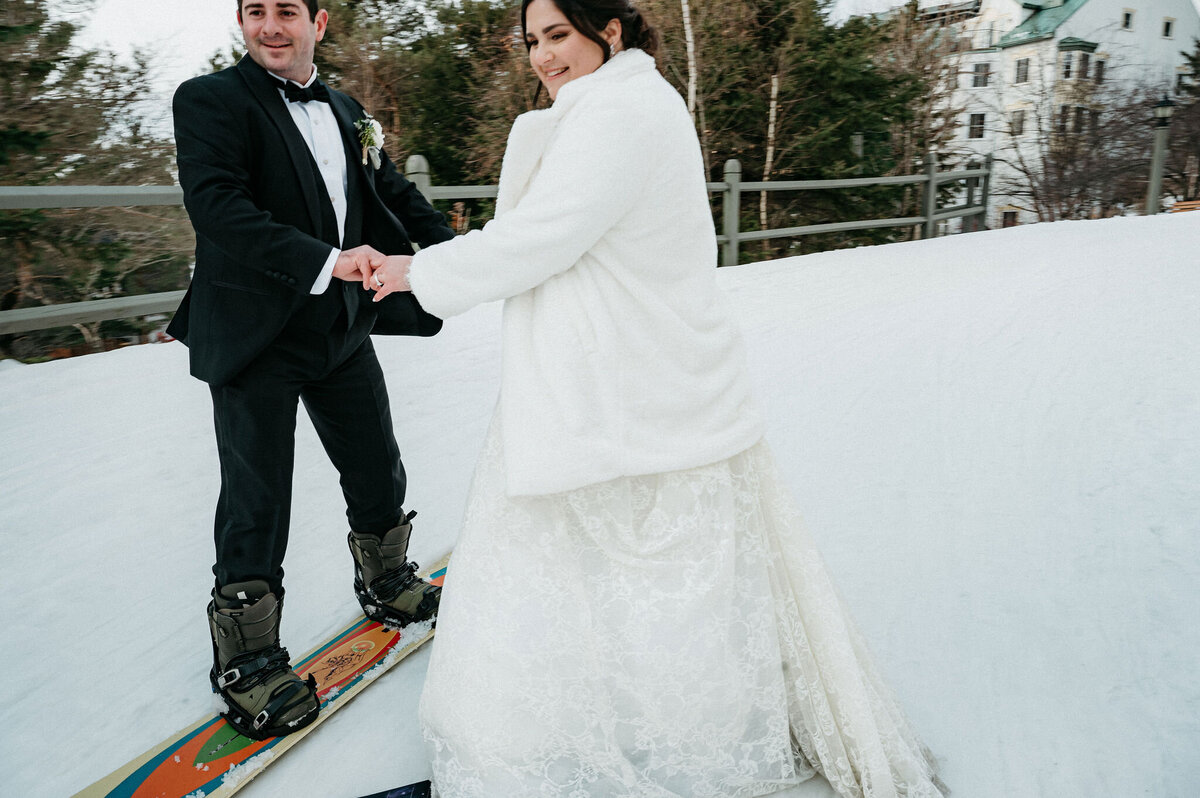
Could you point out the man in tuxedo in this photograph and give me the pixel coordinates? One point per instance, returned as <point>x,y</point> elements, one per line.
<point>291,216</point>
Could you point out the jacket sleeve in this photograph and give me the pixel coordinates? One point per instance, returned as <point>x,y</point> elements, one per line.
<point>590,176</point>
<point>424,223</point>
<point>213,153</point>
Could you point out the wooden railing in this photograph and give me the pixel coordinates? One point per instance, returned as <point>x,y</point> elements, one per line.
<point>731,189</point>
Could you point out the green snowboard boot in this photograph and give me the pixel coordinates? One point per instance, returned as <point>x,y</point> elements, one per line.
<point>264,696</point>
<point>386,583</point>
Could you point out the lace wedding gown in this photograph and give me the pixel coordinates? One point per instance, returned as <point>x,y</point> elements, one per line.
<point>667,635</point>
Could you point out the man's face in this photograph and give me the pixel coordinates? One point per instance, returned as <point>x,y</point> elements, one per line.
<point>281,37</point>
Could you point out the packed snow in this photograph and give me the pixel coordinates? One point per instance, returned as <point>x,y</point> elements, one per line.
<point>995,438</point>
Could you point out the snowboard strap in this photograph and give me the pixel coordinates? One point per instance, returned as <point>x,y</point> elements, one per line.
<point>258,664</point>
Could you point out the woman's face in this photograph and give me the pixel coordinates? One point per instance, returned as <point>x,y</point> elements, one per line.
<point>558,52</point>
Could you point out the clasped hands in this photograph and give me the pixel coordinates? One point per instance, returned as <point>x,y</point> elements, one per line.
<point>383,274</point>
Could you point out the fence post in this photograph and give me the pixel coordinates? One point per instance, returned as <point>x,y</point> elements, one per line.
<point>416,169</point>
<point>972,183</point>
<point>986,189</point>
<point>930,198</point>
<point>732,206</point>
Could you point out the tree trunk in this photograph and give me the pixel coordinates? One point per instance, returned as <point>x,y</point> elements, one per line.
<point>91,335</point>
<point>27,287</point>
<point>690,42</point>
<point>770,162</point>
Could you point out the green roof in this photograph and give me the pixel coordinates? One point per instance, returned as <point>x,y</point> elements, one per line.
<point>1075,43</point>
<point>1041,24</point>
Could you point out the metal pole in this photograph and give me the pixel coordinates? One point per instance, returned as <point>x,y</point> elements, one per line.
<point>930,198</point>
<point>1154,192</point>
<point>972,184</point>
<point>732,206</point>
<point>416,169</point>
<point>988,164</point>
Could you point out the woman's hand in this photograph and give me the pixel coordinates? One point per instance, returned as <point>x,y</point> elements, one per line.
<point>391,277</point>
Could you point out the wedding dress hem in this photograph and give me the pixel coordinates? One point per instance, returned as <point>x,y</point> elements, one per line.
<point>675,635</point>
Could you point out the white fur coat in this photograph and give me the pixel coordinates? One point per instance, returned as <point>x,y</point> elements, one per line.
<point>619,354</point>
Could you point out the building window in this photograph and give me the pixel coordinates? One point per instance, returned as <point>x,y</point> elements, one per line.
<point>1085,65</point>
<point>1022,71</point>
<point>1168,28</point>
<point>1018,123</point>
<point>1064,113</point>
<point>1067,61</point>
<point>1099,71</point>
<point>1080,118</point>
<point>1010,219</point>
<point>975,130</point>
<point>1127,20</point>
<point>981,76</point>
<point>1094,123</point>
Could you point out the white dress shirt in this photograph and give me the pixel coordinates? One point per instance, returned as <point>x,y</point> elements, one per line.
<point>318,126</point>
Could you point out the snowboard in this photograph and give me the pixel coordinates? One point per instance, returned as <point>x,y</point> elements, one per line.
<point>210,759</point>
<point>418,790</point>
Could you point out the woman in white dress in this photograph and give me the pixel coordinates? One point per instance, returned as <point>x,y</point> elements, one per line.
<point>633,608</point>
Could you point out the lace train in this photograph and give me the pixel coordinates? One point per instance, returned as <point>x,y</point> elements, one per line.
<point>673,635</point>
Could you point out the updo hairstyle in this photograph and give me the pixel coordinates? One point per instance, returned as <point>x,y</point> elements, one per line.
<point>589,17</point>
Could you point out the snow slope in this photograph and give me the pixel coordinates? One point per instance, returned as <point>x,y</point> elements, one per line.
<point>995,438</point>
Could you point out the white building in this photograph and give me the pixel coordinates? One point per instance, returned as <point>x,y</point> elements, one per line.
<point>1029,69</point>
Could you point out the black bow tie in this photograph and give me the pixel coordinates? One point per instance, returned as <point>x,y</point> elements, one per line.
<point>303,94</point>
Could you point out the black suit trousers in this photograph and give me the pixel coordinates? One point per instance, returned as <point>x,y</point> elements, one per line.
<point>337,376</point>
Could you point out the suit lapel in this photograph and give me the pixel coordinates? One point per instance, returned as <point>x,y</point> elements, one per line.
<point>265,91</point>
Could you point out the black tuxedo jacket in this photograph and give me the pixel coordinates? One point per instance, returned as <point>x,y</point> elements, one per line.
<point>256,202</point>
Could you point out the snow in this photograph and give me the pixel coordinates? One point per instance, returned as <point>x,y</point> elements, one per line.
<point>995,438</point>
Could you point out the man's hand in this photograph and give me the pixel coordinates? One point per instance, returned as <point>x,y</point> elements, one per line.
<point>391,276</point>
<point>356,265</point>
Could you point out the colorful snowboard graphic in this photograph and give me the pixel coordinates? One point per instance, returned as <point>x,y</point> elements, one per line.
<point>211,760</point>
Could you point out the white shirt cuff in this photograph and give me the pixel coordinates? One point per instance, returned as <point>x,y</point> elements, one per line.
<point>326,274</point>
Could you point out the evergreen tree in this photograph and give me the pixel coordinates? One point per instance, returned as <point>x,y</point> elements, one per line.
<point>1182,176</point>
<point>785,91</point>
<point>422,70</point>
<point>72,117</point>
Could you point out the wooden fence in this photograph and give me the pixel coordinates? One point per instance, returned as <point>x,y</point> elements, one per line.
<point>731,188</point>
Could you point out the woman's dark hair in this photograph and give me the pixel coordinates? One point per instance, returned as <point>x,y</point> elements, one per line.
<point>589,17</point>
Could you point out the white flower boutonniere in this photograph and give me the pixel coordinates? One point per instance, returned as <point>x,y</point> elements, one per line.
<point>370,135</point>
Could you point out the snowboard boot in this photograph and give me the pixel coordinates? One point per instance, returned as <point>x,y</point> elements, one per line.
<point>264,696</point>
<point>386,583</point>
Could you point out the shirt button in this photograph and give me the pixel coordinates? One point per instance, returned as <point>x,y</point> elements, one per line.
<point>326,161</point>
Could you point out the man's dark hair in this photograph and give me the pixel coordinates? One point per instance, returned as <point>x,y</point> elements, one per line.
<point>312,5</point>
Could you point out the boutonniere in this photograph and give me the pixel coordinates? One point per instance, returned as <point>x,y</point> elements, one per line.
<point>370,135</point>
